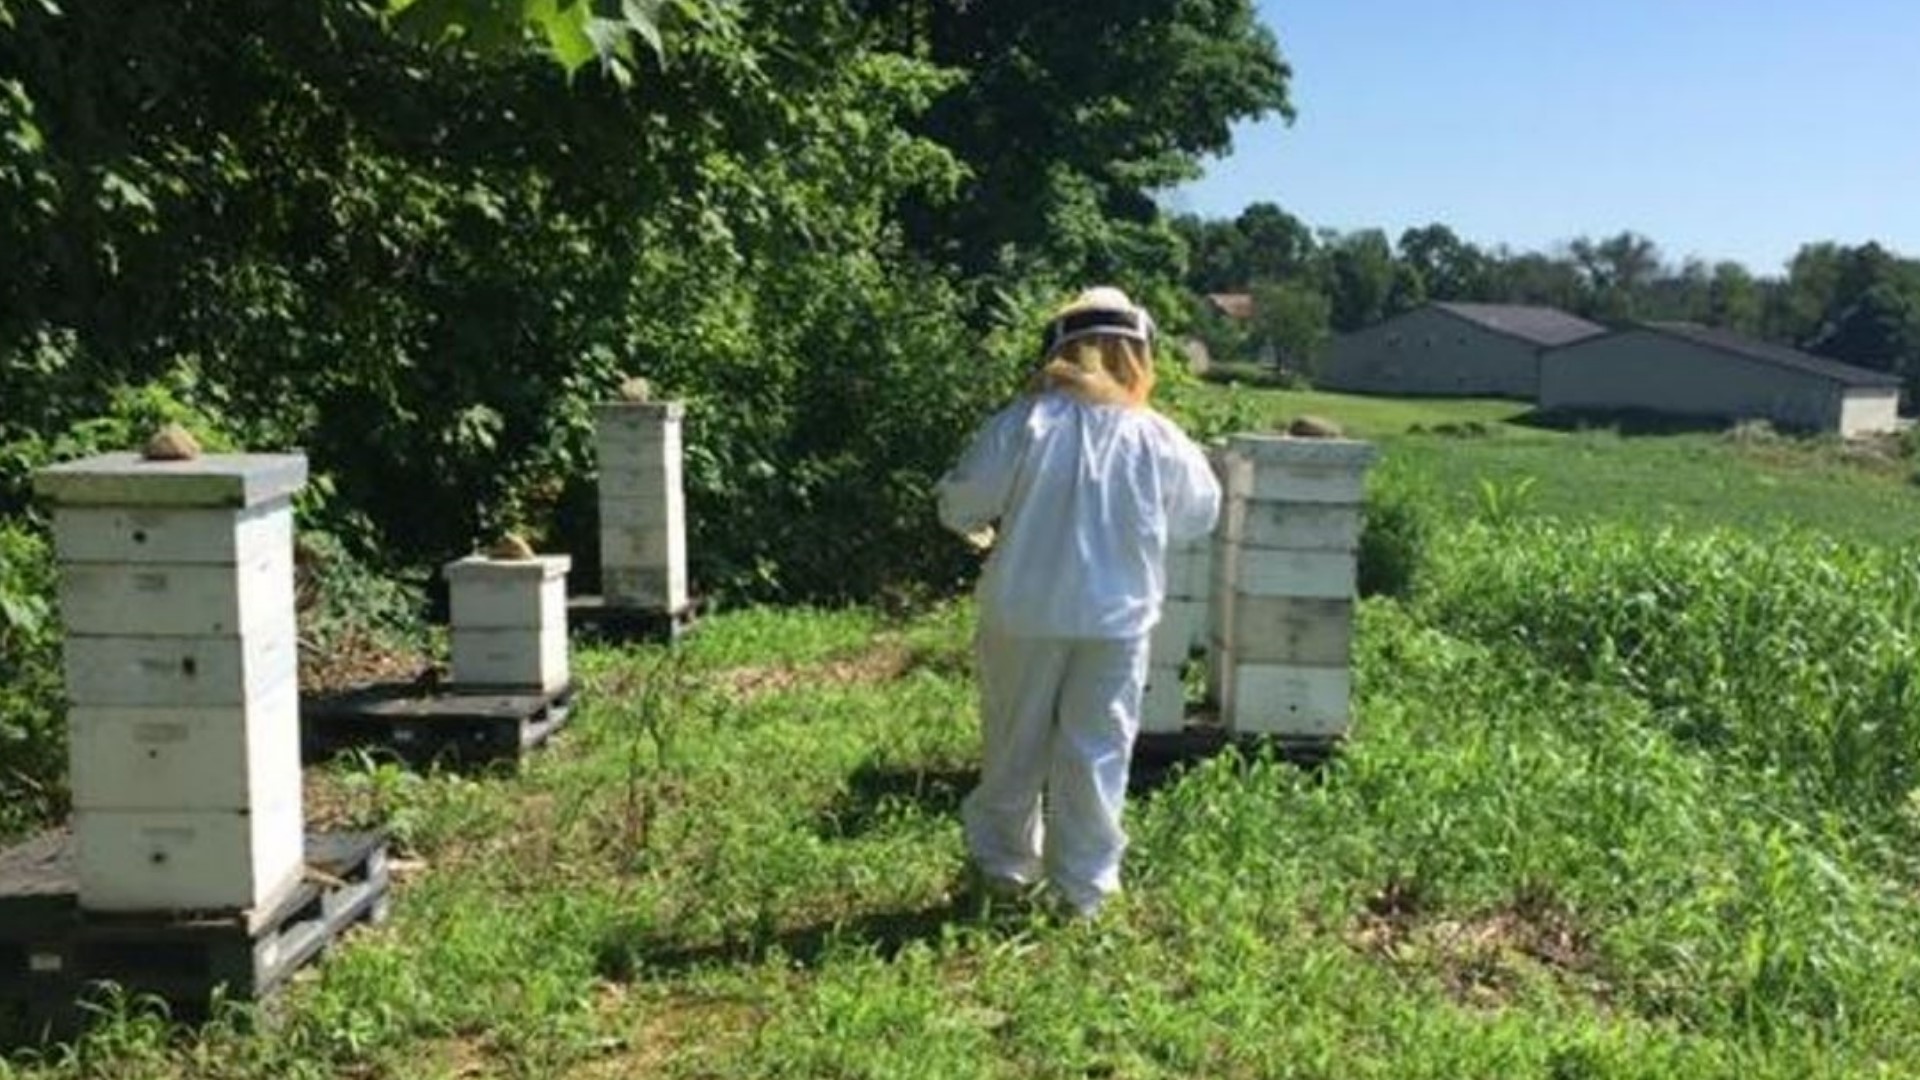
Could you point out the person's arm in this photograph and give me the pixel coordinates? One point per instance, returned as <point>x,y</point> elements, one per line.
<point>1192,491</point>
<point>974,494</point>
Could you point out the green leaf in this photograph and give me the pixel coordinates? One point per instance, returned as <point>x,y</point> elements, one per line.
<point>23,613</point>
<point>565,28</point>
<point>643,18</point>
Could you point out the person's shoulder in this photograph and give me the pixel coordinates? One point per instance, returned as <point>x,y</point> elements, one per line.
<point>1162,426</point>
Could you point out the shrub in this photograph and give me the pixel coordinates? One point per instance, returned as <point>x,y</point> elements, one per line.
<point>32,728</point>
<point>1397,528</point>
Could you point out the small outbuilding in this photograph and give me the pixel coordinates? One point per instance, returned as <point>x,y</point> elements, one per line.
<point>1446,349</point>
<point>1235,306</point>
<point>1685,369</point>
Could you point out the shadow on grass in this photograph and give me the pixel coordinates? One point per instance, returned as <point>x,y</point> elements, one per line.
<point>1625,422</point>
<point>625,956</point>
<point>877,793</point>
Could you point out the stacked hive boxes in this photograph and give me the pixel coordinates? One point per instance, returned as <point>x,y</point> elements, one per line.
<point>643,518</point>
<point>181,671</point>
<point>1284,611</point>
<point>1182,629</point>
<point>509,621</point>
<point>1220,575</point>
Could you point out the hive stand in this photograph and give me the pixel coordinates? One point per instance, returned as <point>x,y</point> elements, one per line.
<point>55,956</point>
<point>511,687</point>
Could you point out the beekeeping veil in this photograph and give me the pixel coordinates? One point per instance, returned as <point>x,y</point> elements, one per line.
<point>1099,348</point>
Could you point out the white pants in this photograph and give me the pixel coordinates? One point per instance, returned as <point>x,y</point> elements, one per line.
<point>1059,716</point>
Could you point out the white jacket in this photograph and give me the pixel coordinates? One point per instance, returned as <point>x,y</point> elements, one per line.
<point>1086,498</point>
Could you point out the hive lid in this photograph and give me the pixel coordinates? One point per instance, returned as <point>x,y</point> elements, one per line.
<point>1285,449</point>
<point>651,410</point>
<point>543,567</point>
<point>234,481</point>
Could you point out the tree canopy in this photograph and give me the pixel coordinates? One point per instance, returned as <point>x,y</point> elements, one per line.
<point>418,237</point>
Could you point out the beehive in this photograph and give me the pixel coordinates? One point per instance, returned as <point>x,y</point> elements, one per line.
<point>643,519</point>
<point>509,621</point>
<point>1183,629</point>
<point>1284,603</point>
<point>181,668</point>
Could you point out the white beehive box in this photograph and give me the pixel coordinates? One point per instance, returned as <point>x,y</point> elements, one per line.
<point>1182,629</point>
<point>1163,706</point>
<point>509,623</point>
<point>181,669</point>
<point>1220,568</point>
<point>153,758</point>
<point>643,520</point>
<point>1284,624</point>
<point>188,860</point>
<point>1303,703</point>
<point>134,670</point>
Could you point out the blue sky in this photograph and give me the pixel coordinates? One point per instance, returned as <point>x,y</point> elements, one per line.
<point>1720,128</point>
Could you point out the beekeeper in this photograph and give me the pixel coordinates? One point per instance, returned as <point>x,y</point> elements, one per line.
<point>1079,486</point>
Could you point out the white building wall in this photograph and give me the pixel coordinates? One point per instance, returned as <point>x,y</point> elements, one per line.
<point>1640,369</point>
<point>1870,411</point>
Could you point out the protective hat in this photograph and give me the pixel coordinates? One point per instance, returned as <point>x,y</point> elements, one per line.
<point>1102,309</point>
<point>1099,348</point>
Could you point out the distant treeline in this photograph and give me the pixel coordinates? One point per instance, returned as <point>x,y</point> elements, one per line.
<point>1859,304</point>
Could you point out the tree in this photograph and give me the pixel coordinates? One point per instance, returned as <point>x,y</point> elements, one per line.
<point>1216,253</point>
<point>1290,318</point>
<point>1450,268</point>
<point>1616,272</point>
<point>1880,330</point>
<point>1535,278</point>
<point>1277,246</point>
<point>1070,115</point>
<point>1802,305</point>
<point>1358,272</point>
<point>1734,299</point>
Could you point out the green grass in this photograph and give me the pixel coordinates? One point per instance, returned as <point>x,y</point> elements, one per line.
<point>1249,408</point>
<point>741,862</point>
<point>1689,480</point>
<point>1686,481</point>
<point>1376,417</point>
<point>1619,805</point>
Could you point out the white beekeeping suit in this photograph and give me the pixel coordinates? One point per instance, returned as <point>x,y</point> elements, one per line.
<point>1082,486</point>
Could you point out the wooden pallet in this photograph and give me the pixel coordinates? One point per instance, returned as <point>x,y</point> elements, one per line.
<point>606,620</point>
<point>55,957</point>
<point>1157,754</point>
<point>468,729</point>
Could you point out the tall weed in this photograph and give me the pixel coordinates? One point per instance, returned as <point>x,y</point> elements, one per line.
<point>1796,654</point>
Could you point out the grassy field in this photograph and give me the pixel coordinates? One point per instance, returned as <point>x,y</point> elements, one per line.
<point>1620,805</point>
<point>1456,450</point>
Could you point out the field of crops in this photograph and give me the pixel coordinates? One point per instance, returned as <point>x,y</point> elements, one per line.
<point>1632,795</point>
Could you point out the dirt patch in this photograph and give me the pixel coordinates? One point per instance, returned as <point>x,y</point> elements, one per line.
<point>655,1030</point>
<point>878,665</point>
<point>355,659</point>
<point>1482,958</point>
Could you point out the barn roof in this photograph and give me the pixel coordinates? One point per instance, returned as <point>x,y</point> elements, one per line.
<point>1236,305</point>
<point>1768,353</point>
<point>1539,325</point>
